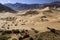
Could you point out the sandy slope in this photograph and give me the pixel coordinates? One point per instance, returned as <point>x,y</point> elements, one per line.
<point>52,20</point>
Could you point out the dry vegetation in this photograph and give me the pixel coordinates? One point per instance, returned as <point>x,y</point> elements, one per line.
<point>9,18</point>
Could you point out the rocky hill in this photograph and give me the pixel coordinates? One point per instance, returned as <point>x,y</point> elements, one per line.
<point>4,8</point>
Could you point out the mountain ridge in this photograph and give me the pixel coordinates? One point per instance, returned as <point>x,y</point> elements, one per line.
<point>20,6</point>
<point>4,8</point>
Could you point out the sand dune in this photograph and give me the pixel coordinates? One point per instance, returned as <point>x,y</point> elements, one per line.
<point>40,22</point>
<point>31,21</point>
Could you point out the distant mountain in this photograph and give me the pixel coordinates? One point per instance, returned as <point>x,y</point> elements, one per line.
<point>4,8</point>
<point>53,4</point>
<point>20,6</point>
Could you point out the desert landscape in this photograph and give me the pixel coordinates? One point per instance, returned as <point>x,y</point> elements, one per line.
<point>30,21</point>
<point>33,24</point>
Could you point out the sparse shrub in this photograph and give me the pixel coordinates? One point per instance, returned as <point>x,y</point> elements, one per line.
<point>16,24</point>
<point>43,17</point>
<point>31,12</point>
<point>8,28</point>
<point>1,31</point>
<point>6,32</point>
<point>13,22</point>
<point>14,39</point>
<point>26,31</point>
<point>2,27</point>
<point>23,24</point>
<point>39,38</point>
<point>52,30</point>
<point>22,31</point>
<point>8,25</point>
<point>2,37</point>
<point>16,31</point>
<point>43,20</point>
<point>20,38</point>
<point>9,18</point>
<point>34,30</point>
<point>46,20</point>
<point>31,38</point>
<point>20,20</point>
<point>26,36</point>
